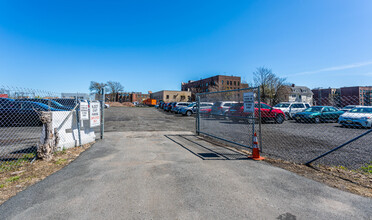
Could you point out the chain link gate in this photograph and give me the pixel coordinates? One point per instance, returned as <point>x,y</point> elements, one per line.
<point>231,116</point>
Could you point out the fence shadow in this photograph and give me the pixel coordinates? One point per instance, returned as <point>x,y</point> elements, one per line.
<point>205,150</point>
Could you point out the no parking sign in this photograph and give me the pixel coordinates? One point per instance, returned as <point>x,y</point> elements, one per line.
<point>248,99</point>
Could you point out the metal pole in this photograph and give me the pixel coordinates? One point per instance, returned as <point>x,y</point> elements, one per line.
<point>102,112</point>
<point>259,118</point>
<point>198,115</point>
<point>342,145</point>
<point>78,123</point>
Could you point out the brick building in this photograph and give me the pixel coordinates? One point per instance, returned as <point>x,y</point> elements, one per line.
<point>129,97</point>
<point>214,83</point>
<point>329,96</point>
<point>171,96</point>
<point>356,95</point>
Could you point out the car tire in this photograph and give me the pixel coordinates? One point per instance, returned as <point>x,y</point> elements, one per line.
<point>279,119</point>
<point>235,120</point>
<point>188,113</point>
<point>287,116</point>
<point>316,120</point>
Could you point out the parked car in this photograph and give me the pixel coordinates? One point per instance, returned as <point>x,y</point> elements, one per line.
<point>191,109</point>
<point>71,103</point>
<point>48,102</point>
<point>236,113</point>
<point>178,106</point>
<point>360,116</point>
<point>5,101</point>
<point>23,113</point>
<point>317,114</point>
<point>290,109</point>
<point>168,106</point>
<point>349,107</point>
<point>219,109</point>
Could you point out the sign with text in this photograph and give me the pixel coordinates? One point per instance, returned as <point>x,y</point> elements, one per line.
<point>84,111</point>
<point>248,99</point>
<point>95,119</point>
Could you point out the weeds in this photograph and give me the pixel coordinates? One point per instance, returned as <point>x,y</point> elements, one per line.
<point>367,168</point>
<point>12,179</point>
<point>60,161</point>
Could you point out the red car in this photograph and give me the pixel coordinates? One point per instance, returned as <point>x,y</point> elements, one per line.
<point>205,112</point>
<point>236,113</point>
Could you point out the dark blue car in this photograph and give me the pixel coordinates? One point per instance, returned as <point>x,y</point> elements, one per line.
<point>22,113</point>
<point>50,103</point>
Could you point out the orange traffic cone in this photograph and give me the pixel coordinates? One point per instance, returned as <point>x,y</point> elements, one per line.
<point>256,151</point>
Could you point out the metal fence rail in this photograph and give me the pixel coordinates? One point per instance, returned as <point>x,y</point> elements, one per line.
<point>22,130</point>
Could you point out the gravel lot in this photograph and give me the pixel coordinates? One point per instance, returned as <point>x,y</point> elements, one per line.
<point>296,142</point>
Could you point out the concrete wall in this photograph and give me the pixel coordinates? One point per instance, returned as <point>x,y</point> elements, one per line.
<point>68,132</point>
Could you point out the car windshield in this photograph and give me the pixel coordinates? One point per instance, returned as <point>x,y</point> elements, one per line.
<point>281,106</point>
<point>361,110</point>
<point>191,105</point>
<point>313,109</point>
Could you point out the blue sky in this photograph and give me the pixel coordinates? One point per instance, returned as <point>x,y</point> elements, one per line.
<point>154,45</point>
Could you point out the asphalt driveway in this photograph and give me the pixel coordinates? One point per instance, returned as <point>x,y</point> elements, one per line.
<point>175,175</point>
<point>155,173</point>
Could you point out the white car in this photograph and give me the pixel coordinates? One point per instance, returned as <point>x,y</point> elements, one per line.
<point>358,116</point>
<point>219,109</point>
<point>291,108</point>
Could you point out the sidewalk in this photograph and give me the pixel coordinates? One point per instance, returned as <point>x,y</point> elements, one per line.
<point>174,175</point>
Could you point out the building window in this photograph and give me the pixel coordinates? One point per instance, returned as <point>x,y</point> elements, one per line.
<point>234,83</point>
<point>222,82</point>
<point>227,82</point>
<point>206,84</point>
<point>238,83</point>
<point>174,96</point>
<point>167,97</point>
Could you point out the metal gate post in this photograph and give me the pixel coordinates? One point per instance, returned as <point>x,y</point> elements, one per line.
<point>259,118</point>
<point>198,115</point>
<point>102,112</point>
<point>78,122</point>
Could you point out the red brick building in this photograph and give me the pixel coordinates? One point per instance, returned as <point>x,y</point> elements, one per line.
<point>357,95</point>
<point>214,83</point>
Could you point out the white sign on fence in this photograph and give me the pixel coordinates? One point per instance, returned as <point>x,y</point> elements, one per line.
<point>95,119</point>
<point>248,98</point>
<point>84,111</point>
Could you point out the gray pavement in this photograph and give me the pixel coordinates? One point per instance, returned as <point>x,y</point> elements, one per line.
<point>152,173</point>
<point>175,175</point>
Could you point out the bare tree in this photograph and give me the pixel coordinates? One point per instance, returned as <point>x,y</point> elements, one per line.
<point>115,88</point>
<point>96,87</point>
<point>273,88</point>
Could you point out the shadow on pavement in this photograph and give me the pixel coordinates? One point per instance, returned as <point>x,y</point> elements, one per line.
<point>205,150</point>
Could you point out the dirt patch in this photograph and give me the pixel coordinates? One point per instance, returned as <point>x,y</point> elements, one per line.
<point>354,181</point>
<point>118,104</point>
<point>25,174</point>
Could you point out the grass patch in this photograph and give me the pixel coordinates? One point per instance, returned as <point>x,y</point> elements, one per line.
<point>14,164</point>
<point>60,161</point>
<point>367,168</point>
<point>12,179</point>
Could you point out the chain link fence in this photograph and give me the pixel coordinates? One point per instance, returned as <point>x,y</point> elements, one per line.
<point>23,131</point>
<point>296,131</point>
